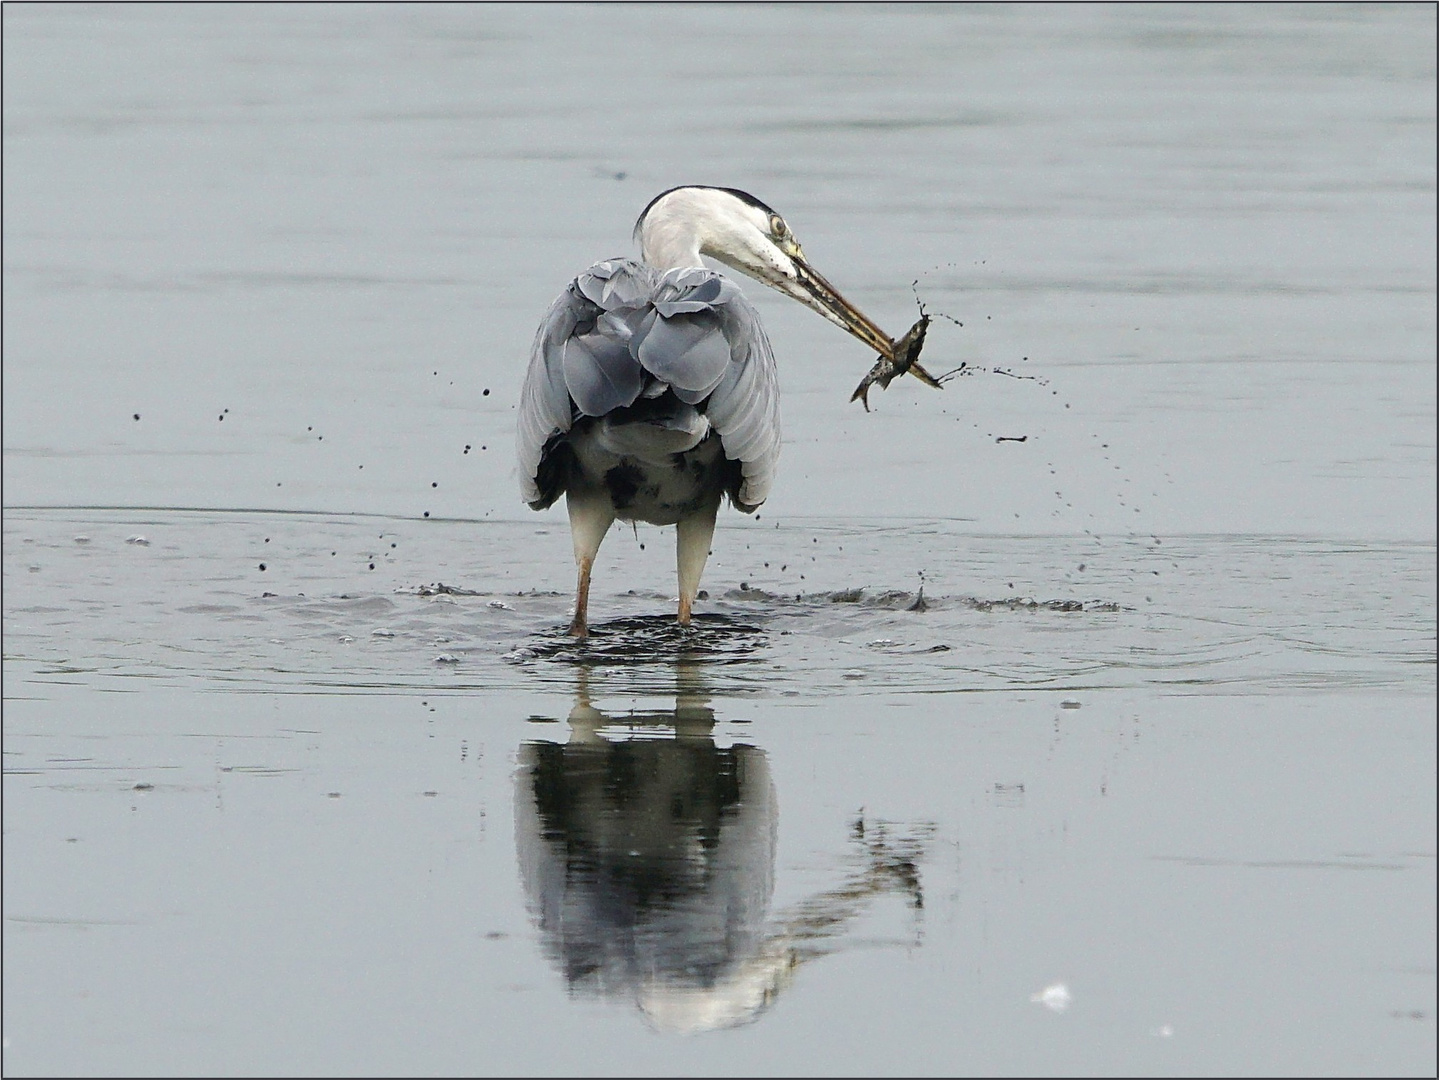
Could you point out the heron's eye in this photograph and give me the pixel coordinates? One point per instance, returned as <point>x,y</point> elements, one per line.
<point>778,228</point>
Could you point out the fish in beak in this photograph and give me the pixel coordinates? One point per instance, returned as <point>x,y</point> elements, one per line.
<point>905,359</point>
<point>895,358</point>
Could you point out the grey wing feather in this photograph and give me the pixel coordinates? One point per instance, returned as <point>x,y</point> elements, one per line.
<point>600,373</point>
<point>545,405</point>
<point>688,351</point>
<point>744,407</point>
<point>621,325</point>
<point>581,360</point>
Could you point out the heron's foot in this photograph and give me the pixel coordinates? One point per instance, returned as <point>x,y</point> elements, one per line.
<point>578,628</point>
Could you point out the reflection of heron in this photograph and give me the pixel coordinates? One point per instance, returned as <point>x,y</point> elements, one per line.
<point>651,391</point>
<point>647,855</point>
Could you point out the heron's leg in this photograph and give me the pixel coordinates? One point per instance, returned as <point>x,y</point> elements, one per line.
<point>692,549</point>
<point>591,515</point>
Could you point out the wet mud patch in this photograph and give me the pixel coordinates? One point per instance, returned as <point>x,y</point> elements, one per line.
<point>439,588</point>
<point>1024,603</point>
<point>863,596</point>
<point>649,639</point>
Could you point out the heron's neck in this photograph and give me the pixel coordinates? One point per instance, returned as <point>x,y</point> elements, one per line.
<point>668,244</point>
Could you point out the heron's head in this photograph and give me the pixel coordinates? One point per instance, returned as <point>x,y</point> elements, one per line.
<point>680,225</point>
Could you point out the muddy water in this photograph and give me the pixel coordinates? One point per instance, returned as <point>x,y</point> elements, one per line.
<point>1076,718</point>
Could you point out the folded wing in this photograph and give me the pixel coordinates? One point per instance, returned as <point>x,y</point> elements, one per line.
<point>622,329</point>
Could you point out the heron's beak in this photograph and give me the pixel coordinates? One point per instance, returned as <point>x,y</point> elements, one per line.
<point>810,288</point>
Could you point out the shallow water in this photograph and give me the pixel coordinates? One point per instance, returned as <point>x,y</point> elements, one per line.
<point>348,603</point>
<point>1110,750</point>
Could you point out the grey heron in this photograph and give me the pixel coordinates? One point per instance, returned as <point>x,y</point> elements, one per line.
<point>652,392</point>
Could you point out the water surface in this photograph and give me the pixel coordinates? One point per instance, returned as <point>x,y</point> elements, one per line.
<point>1078,718</point>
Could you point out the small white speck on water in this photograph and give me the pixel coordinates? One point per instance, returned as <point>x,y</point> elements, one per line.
<point>1055,997</point>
